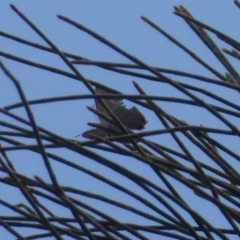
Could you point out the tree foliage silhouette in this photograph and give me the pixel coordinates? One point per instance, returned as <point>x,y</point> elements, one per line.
<point>217,185</point>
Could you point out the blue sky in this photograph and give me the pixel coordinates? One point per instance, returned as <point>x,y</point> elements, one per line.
<point>120,23</point>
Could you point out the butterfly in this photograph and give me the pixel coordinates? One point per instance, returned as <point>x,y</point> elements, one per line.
<point>131,118</point>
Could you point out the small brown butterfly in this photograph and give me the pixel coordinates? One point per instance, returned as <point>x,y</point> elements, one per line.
<point>131,118</point>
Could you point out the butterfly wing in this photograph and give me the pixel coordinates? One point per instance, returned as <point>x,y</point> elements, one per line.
<point>131,118</point>
<point>113,131</point>
<point>104,133</point>
<point>111,103</point>
<point>98,132</point>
